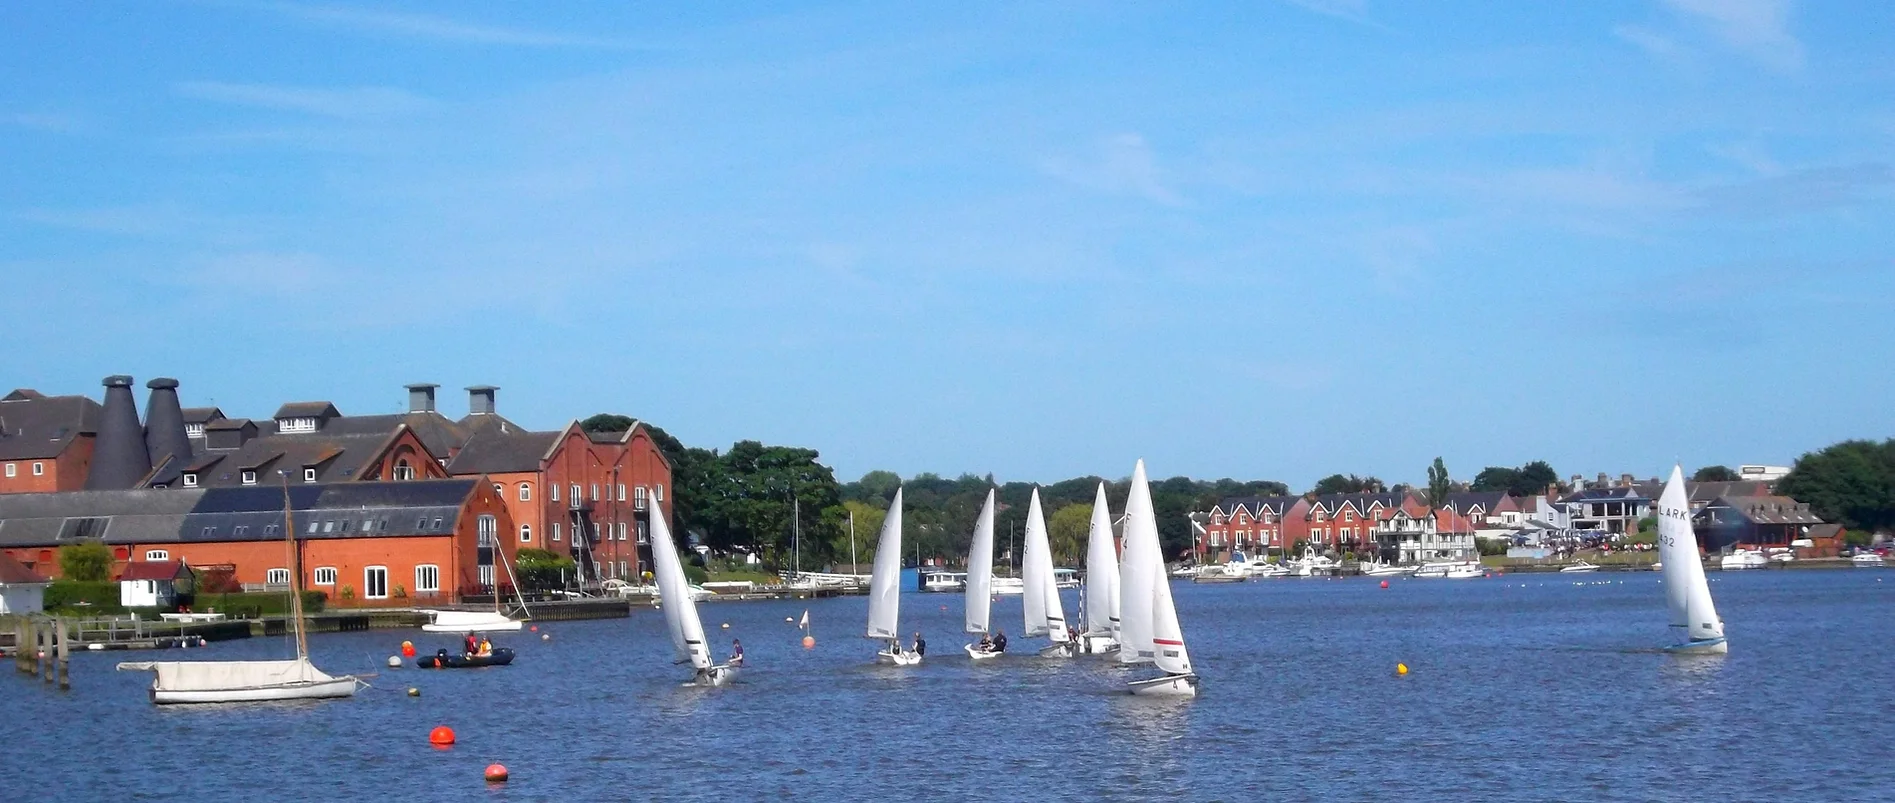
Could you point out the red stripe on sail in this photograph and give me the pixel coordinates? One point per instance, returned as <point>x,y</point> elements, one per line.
<point>1167,641</point>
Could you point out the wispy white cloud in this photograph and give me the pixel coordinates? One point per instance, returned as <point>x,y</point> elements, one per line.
<point>1122,164</point>
<point>1356,11</point>
<point>44,121</point>
<point>1759,28</point>
<point>370,101</point>
<point>425,26</point>
<point>1748,155</point>
<point>1653,43</point>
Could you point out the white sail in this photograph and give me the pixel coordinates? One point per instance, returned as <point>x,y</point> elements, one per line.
<point>674,591</point>
<point>1167,637</point>
<point>1686,590</point>
<point>980,569</point>
<point>1045,616</point>
<point>885,583</point>
<point>1102,572</point>
<point>1140,570</point>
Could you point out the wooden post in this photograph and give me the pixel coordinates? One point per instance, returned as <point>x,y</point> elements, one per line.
<point>65,657</point>
<point>45,651</point>
<point>22,647</point>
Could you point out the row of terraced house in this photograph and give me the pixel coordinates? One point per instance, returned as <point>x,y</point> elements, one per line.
<point>386,507</point>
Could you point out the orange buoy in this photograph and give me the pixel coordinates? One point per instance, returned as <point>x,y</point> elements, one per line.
<point>441,736</point>
<point>496,773</point>
<point>407,649</point>
<point>1384,583</point>
<point>534,628</point>
<point>809,642</point>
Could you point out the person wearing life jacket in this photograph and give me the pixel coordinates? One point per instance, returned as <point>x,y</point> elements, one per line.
<point>472,645</point>
<point>1000,641</point>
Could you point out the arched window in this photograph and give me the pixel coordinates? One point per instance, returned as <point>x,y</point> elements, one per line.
<point>277,577</point>
<point>403,471</point>
<point>526,492</point>
<point>526,533</point>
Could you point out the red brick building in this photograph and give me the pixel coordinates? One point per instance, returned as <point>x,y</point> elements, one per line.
<point>46,441</point>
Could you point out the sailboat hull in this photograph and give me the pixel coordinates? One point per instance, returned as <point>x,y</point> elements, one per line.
<point>1166,686</point>
<point>1064,649</point>
<point>715,676</point>
<point>903,658</point>
<point>1098,645</point>
<point>979,654</point>
<point>323,690</point>
<point>1716,646</point>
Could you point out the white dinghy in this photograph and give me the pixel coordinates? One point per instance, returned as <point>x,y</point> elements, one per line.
<point>1099,601</point>
<point>980,580</point>
<point>251,681</point>
<point>885,591</point>
<point>1686,591</point>
<point>1149,628</point>
<point>495,620</point>
<point>1045,615</point>
<point>687,630</point>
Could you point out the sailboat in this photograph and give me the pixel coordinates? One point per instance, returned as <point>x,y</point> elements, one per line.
<point>1100,598</point>
<point>495,620</point>
<point>885,591</point>
<point>1045,616</point>
<point>251,681</point>
<point>1686,591</point>
<point>980,579</point>
<point>687,630</point>
<point>1149,630</point>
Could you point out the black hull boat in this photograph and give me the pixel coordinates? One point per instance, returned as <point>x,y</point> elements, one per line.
<point>500,657</point>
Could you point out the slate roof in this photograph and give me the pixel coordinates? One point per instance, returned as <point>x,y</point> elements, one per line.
<point>39,427</point>
<point>440,435</point>
<point>493,452</point>
<point>313,409</point>
<point>253,513</point>
<point>15,573</point>
<point>335,457</point>
<point>1466,500</point>
<point>201,415</point>
<point>1255,505</point>
<point>1768,509</point>
<point>1331,503</point>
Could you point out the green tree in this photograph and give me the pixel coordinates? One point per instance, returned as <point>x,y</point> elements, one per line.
<point>541,569</point>
<point>752,492</point>
<point>1535,478</point>
<point>1715,474</point>
<point>877,486</point>
<point>1351,484</point>
<point>608,422</point>
<point>89,562</point>
<point>868,526</point>
<point>1439,484</point>
<point>1852,483</point>
<point>1067,529</point>
<point>1495,478</point>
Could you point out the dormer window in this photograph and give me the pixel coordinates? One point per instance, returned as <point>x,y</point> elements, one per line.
<point>190,479</point>
<point>296,425</point>
<point>194,430</point>
<point>249,478</point>
<point>309,475</point>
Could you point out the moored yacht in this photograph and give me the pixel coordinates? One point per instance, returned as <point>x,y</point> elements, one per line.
<point>1743,559</point>
<point>1578,567</point>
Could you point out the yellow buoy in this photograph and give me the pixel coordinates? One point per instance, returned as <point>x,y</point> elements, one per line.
<point>1401,669</point>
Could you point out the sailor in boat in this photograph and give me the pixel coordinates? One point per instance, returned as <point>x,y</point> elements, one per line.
<point>441,658</point>
<point>736,652</point>
<point>1000,641</point>
<point>921,645</point>
<point>986,644</point>
<point>471,646</point>
<point>486,647</point>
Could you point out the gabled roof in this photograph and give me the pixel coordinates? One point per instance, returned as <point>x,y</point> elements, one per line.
<point>1488,501</point>
<point>1767,509</point>
<point>1331,504</point>
<point>440,435</point>
<point>1255,505</point>
<point>493,451</point>
<point>335,457</point>
<point>312,409</point>
<point>243,513</point>
<point>35,427</point>
<point>23,394</point>
<point>201,415</point>
<point>15,573</point>
<point>153,570</point>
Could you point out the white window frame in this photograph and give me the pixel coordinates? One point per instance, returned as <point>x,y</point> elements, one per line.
<point>658,492</point>
<point>296,425</point>
<point>621,492</point>
<point>489,529</point>
<point>526,533</point>
<point>368,585</point>
<point>621,531</point>
<point>190,479</point>
<point>157,554</point>
<point>309,474</point>
<point>555,529</point>
<point>427,579</point>
<point>638,498</point>
<point>554,489</point>
<point>526,492</point>
<point>277,576</point>
<point>13,470</point>
<point>248,477</point>
<point>578,496</point>
<point>595,492</point>
<point>316,577</point>
<point>403,472</point>
<point>39,469</point>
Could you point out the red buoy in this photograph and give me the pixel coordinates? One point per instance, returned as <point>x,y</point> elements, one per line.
<point>441,736</point>
<point>1384,583</point>
<point>496,773</point>
<point>534,628</point>
<point>407,649</point>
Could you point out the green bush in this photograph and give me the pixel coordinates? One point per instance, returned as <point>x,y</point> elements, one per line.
<point>696,574</point>
<point>101,596</point>
<point>541,569</point>
<point>90,561</point>
<point>259,603</point>
<point>1857,538</point>
<point>1488,546</point>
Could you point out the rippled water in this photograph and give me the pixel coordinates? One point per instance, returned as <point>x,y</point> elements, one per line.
<point>1526,687</point>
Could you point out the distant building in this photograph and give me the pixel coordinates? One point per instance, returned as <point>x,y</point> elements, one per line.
<point>1613,510</point>
<point>1757,473</point>
<point>1752,522</point>
<point>153,583</point>
<point>46,441</point>
<point>1252,525</point>
<point>22,590</point>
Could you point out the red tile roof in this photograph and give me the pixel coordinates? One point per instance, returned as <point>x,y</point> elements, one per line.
<point>153,570</point>
<point>13,572</point>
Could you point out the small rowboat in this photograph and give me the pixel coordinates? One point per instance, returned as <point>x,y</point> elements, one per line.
<point>500,657</point>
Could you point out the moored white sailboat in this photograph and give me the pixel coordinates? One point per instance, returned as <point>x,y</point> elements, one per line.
<point>885,591</point>
<point>687,629</point>
<point>1149,622</point>
<point>1045,615</point>
<point>251,681</point>
<point>1100,597</point>
<point>1687,593</point>
<point>980,579</point>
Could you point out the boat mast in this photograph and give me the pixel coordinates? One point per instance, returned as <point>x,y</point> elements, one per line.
<point>296,572</point>
<point>853,566</point>
<point>796,535</point>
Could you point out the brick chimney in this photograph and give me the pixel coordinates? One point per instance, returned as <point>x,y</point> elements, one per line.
<point>119,457</point>
<point>480,399</point>
<point>421,398</point>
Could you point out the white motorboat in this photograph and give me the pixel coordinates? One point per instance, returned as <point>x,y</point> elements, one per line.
<point>178,682</point>
<point>1149,627</point>
<point>1045,614</point>
<point>1743,559</point>
<point>944,581</point>
<point>1009,586</point>
<point>494,621</point>
<point>1466,570</point>
<point>1687,594</point>
<point>1219,574</point>
<point>980,576</point>
<point>1312,564</point>
<point>681,619</point>
<point>1866,560</point>
<point>1269,570</point>
<point>1066,578</point>
<point>1099,601</point>
<point>1578,567</point>
<point>1658,566</point>
<point>885,591</point>
<point>1781,556</point>
<point>1385,570</point>
<point>1184,572</point>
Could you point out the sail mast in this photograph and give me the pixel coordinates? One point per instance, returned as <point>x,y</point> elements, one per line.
<point>296,573</point>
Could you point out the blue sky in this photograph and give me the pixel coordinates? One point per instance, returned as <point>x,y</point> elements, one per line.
<point>1270,240</point>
